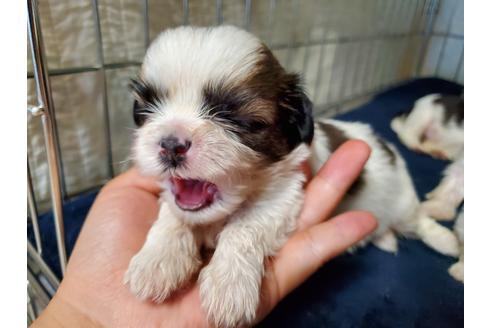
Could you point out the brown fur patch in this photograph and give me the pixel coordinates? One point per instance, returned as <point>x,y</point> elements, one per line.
<point>267,111</point>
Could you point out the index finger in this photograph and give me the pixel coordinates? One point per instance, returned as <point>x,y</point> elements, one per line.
<point>330,184</point>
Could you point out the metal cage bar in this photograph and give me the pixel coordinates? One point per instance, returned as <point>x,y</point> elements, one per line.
<point>186,12</point>
<point>39,268</point>
<point>331,83</point>
<point>41,283</point>
<point>321,62</point>
<point>37,298</point>
<point>247,15</point>
<point>33,212</point>
<point>102,73</point>
<point>31,313</point>
<point>290,45</point>
<point>271,20</point>
<point>446,38</point>
<point>219,16</point>
<point>431,8</point>
<point>40,288</point>
<point>460,64</point>
<point>45,102</point>
<point>145,10</point>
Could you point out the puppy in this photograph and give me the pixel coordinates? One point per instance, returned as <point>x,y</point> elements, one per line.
<point>434,126</point>
<point>226,129</point>
<point>443,201</point>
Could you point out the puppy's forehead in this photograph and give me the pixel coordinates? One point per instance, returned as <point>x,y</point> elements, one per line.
<point>188,58</point>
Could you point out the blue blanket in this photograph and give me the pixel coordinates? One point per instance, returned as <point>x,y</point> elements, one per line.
<point>370,288</point>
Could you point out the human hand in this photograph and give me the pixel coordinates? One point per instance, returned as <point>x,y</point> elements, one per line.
<point>92,291</point>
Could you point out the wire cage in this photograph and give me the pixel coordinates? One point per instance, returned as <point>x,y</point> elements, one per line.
<point>83,53</point>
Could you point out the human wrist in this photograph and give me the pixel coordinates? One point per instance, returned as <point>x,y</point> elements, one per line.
<point>60,313</point>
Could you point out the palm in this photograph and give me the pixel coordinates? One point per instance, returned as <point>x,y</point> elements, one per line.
<point>125,209</point>
<point>109,239</point>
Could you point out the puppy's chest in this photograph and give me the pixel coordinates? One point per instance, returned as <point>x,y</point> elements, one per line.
<point>208,235</point>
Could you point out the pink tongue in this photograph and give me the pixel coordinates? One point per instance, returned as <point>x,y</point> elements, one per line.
<point>193,194</point>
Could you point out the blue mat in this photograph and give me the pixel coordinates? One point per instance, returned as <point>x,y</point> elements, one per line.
<point>74,212</point>
<point>370,288</point>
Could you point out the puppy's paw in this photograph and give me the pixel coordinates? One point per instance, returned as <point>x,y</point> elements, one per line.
<point>361,244</point>
<point>387,242</point>
<point>229,295</point>
<point>445,243</point>
<point>440,154</point>
<point>457,271</point>
<point>438,209</point>
<point>438,237</point>
<point>397,124</point>
<point>156,273</point>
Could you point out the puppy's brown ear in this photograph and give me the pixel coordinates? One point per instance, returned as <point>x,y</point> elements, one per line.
<point>295,112</point>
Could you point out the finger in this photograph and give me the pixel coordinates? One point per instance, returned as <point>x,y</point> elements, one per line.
<point>309,249</point>
<point>330,184</point>
<point>132,178</point>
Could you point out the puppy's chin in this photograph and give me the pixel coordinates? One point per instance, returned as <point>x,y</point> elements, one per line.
<point>199,202</point>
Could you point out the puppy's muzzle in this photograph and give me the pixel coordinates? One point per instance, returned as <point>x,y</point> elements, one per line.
<point>173,151</point>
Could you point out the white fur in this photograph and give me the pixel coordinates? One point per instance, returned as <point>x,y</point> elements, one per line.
<point>184,59</point>
<point>230,284</point>
<point>457,270</point>
<point>388,194</point>
<point>443,201</point>
<point>426,118</point>
<point>167,260</point>
<point>258,206</point>
<point>257,209</point>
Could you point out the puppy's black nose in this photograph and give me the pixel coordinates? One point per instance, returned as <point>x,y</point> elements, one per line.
<point>173,150</point>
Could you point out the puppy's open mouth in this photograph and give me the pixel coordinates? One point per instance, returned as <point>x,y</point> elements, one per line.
<point>193,195</point>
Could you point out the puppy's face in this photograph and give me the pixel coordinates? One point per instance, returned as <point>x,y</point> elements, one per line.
<point>214,107</point>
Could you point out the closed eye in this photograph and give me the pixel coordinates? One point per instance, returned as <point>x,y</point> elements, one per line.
<point>223,106</point>
<point>251,125</point>
<point>236,123</point>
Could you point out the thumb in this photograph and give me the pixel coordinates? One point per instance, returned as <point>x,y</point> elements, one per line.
<point>309,249</point>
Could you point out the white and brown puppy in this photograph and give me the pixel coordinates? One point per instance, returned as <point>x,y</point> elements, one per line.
<point>434,126</point>
<point>226,129</point>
